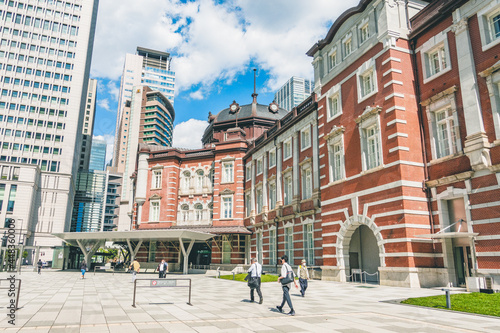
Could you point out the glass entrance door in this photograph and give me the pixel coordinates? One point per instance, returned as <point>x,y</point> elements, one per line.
<point>463,264</point>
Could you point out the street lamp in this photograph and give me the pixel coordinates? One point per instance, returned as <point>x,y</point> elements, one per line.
<point>276,220</point>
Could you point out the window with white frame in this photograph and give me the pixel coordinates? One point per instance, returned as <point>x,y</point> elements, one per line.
<point>305,138</point>
<point>489,24</point>
<point>272,196</point>
<point>248,204</point>
<point>272,158</point>
<point>259,166</point>
<point>186,180</point>
<point>495,25</point>
<point>309,243</point>
<point>227,207</point>
<point>154,212</point>
<point>435,57</point>
<point>248,171</point>
<point>443,124</point>
<point>272,246</point>
<point>287,189</point>
<point>347,45</point>
<point>367,84</point>
<point>199,179</point>
<point>211,211</point>
<point>198,212</point>
<point>369,127</point>
<point>287,149</point>
<point>333,106</point>
<point>336,158</point>
<point>372,147</point>
<point>367,80</point>
<point>446,137</point>
<point>156,180</point>
<point>227,172</point>
<point>184,213</point>
<point>436,61</point>
<point>306,182</point>
<point>332,59</point>
<point>289,244</point>
<point>259,200</point>
<point>364,31</point>
<point>492,76</point>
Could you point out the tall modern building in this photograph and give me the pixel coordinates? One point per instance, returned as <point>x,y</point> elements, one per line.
<point>149,68</point>
<point>98,155</point>
<point>88,125</point>
<point>293,92</point>
<point>45,54</point>
<point>148,119</point>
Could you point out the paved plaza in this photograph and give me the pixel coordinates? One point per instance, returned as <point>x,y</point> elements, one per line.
<point>60,301</point>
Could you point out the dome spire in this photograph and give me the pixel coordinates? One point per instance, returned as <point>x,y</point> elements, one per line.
<point>254,95</point>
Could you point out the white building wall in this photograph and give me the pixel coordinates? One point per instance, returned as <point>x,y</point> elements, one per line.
<point>31,51</point>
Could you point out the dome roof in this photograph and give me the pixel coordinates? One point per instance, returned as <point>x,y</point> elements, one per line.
<point>249,111</point>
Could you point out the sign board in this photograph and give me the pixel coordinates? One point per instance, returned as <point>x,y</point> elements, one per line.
<point>163,283</point>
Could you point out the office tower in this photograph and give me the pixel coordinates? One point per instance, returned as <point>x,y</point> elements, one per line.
<point>149,120</point>
<point>45,54</point>
<point>146,67</point>
<point>293,92</point>
<point>98,155</point>
<point>112,200</point>
<point>90,199</point>
<point>88,125</point>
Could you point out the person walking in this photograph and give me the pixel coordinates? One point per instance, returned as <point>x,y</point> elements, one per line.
<point>255,272</point>
<point>39,265</point>
<point>134,268</point>
<point>83,268</point>
<point>303,275</point>
<point>162,269</point>
<point>286,270</point>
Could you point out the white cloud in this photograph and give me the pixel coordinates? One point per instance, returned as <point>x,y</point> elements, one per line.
<point>104,103</point>
<point>110,140</point>
<point>212,41</point>
<point>188,134</point>
<point>113,90</point>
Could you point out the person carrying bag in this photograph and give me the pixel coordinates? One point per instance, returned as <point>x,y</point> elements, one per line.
<point>286,279</point>
<point>254,280</point>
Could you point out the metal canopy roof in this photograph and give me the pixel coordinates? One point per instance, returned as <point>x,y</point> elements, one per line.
<point>123,236</point>
<point>445,235</point>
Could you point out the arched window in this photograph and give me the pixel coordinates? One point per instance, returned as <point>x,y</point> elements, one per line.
<point>199,180</point>
<point>198,212</point>
<point>186,177</point>
<point>184,213</point>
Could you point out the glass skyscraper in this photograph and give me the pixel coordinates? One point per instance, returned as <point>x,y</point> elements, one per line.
<point>293,92</point>
<point>98,155</point>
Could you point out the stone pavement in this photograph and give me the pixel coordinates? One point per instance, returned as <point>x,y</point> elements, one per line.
<point>58,301</point>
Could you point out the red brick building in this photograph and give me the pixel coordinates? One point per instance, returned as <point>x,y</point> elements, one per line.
<point>390,171</point>
<point>457,46</point>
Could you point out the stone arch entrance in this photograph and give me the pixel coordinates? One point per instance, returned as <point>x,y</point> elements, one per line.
<point>360,246</point>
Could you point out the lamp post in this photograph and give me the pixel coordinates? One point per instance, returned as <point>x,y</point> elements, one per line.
<point>276,221</point>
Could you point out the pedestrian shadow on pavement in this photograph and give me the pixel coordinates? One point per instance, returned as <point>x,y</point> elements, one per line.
<point>247,301</point>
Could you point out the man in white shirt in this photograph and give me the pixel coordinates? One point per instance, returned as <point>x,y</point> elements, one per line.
<point>285,268</point>
<point>255,271</point>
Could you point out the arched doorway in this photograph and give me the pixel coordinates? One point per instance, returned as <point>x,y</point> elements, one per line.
<point>363,255</point>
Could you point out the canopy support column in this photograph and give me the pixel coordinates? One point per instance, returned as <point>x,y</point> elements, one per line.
<point>88,255</point>
<point>133,252</point>
<point>186,254</point>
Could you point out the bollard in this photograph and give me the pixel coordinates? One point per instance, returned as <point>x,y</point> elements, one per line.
<point>448,298</point>
<point>234,275</point>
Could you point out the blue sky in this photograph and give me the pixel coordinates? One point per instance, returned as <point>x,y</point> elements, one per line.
<point>214,45</point>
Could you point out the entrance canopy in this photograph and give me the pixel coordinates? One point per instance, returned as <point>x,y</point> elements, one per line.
<point>89,242</point>
<point>446,235</point>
